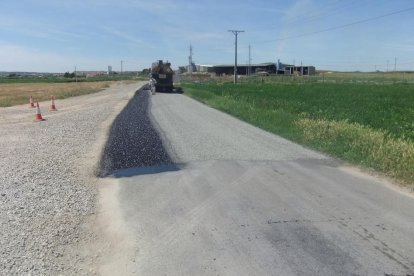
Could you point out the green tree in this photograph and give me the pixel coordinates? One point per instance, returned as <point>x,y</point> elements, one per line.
<point>69,75</point>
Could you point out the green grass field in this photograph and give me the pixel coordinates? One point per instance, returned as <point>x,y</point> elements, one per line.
<point>365,124</point>
<point>336,78</point>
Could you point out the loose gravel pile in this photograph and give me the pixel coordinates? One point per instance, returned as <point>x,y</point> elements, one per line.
<point>43,196</point>
<point>133,141</point>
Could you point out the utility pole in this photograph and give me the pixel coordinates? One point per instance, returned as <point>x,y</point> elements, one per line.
<point>388,62</point>
<point>395,64</point>
<point>301,68</point>
<point>121,66</point>
<point>250,63</point>
<point>76,75</point>
<point>190,61</point>
<point>236,33</point>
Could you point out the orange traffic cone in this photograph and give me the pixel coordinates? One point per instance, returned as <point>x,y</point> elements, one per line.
<point>31,102</point>
<point>38,116</point>
<point>52,106</point>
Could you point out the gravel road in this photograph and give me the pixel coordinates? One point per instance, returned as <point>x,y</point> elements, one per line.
<point>191,191</point>
<point>245,202</point>
<point>47,188</point>
<point>195,132</point>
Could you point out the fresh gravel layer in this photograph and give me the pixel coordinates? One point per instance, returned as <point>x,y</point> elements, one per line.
<point>133,141</point>
<point>44,194</point>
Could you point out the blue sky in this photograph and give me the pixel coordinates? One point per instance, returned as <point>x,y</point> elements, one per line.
<point>54,36</point>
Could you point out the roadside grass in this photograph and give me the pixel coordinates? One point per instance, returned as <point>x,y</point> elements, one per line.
<point>348,77</point>
<point>19,93</point>
<point>364,124</point>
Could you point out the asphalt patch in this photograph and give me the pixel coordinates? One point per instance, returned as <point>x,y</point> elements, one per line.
<point>133,141</point>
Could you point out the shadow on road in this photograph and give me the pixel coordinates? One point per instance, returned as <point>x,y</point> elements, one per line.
<point>144,170</point>
<point>176,90</point>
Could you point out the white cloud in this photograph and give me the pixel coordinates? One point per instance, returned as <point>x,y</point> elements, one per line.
<point>404,47</point>
<point>154,6</point>
<point>18,58</point>
<point>288,27</point>
<point>129,38</point>
<point>37,29</point>
<point>192,36</point>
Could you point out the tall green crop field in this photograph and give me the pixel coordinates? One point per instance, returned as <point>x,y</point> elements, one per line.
<point>366,124</point>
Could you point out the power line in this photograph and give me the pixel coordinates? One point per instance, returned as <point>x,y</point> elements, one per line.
<point>340,26</point>
<point>315,16</point>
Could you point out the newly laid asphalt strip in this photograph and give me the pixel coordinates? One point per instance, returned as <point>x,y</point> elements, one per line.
<point>133,141</point>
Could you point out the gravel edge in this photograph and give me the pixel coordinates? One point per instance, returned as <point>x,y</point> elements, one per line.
<point>47,190</point>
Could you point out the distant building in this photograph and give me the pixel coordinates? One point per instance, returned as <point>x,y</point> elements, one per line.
<point>203,68</point>
<point>299,70</point>
<point>268,68</point>
<point>192,68</point>
<point>243,69</point>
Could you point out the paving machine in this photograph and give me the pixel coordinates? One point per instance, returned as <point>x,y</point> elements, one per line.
<point>162,76</point>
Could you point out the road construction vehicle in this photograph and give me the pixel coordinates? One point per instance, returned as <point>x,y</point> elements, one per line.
<point>162,76</point>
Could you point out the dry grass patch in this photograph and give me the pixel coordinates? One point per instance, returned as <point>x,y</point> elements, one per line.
<point>19,93</point>
<point>363,145</point>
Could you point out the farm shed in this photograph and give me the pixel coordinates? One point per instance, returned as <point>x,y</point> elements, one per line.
<point>242,69</point>
<point>299,70</point>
